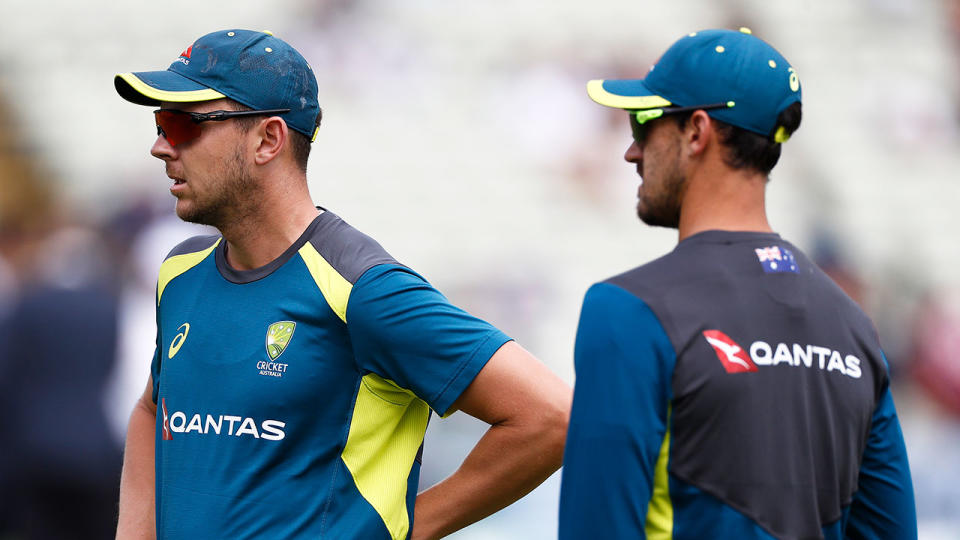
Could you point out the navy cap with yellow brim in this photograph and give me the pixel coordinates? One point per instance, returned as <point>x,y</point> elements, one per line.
<point>252,68</point>
<point>738,78</point>
<point>154,87</point>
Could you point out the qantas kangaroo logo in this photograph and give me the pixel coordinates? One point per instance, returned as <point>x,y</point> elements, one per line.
<point>167,436</point>
<point>733,357</point>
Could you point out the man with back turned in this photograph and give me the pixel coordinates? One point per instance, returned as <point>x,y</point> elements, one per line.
<point>727,389</point>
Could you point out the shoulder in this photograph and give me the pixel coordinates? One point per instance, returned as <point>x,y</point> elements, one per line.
<point>183,257</point>
<point>828,293</point>
<point>725,274</point>
<point>654,278</point>
<point>345,249</point>
<point>196,244</point>
<point>337,256</point>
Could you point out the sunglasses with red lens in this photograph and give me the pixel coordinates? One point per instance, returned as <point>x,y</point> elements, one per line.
<point>178,126</point>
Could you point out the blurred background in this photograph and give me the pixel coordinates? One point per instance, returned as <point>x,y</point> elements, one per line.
<point>459,135</point>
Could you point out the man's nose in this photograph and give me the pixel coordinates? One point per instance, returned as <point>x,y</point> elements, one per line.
<point>633,154</point>
<point>162,149</point>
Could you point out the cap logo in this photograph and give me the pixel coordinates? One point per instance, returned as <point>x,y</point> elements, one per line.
<point>794,80</point>
<point>184,57</point>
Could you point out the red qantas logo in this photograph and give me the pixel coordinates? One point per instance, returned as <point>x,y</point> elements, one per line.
<point>167,435</point>
<point>186,53</point>
<point>733,357</point>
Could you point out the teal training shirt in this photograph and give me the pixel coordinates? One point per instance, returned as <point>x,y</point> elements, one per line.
<point>293,398</point>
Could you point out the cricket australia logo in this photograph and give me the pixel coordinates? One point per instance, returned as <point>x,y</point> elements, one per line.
<point>279,335</point>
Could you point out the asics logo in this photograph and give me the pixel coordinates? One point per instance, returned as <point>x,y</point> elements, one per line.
<point>178,340</point>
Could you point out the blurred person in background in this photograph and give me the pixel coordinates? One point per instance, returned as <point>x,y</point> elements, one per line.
<point>58,321</point>
<point>147,227</point>
<point>932,358</point>
<point>730,388</point>
<point>296,361</point>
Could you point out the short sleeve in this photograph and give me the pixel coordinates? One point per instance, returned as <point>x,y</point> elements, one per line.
<point>883,506</point>
<point>624,363</point>
<point>404,330</point>
<point>155,364</point>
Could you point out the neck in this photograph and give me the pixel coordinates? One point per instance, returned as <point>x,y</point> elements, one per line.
<point>720,198</point>
<point>258,237</point>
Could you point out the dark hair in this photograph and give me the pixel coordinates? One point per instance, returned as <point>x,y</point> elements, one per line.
<point>299,143</point>
<point>749,150</point>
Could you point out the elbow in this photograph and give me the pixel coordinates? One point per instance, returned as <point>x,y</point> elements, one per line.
<point>553,432</point>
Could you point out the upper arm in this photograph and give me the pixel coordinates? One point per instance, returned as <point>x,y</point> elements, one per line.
<point>147,401</point>
<point>404,330</point>
<point>512,386</point>
<point>624,364</point>
<point>883,506</point>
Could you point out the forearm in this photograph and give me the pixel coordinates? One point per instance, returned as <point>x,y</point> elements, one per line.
<point>506,464</point>
<point>136,519</point>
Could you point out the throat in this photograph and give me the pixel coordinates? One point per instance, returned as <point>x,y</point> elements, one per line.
<point>253,244</point>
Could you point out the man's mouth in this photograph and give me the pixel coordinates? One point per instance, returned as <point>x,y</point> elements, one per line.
<point>178,185</point>
<point>176,179</point>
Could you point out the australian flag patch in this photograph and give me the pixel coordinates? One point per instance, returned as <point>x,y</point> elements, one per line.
<point>775,259</point>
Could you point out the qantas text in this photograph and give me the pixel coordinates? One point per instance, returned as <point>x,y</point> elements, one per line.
<point>765,354</point>
<point>224,424</point>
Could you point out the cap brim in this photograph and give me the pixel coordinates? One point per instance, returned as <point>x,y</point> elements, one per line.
<point>152,87</point>
<point>625,94</point>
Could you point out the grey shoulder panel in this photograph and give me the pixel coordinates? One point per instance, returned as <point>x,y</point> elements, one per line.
<point>349,251</point>
<point>193,245</point>
<point>346,249</point>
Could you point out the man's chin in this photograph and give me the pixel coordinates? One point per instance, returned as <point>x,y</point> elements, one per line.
<point>655,219</point>
<point>192,214</point>
<point>183,210</point>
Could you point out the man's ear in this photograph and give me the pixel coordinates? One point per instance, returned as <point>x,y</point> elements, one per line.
<point>273,135</point>
<point>698,132</point>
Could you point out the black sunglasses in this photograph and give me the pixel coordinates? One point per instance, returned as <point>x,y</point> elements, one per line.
<point>639,119</point>
<point>178,126</point>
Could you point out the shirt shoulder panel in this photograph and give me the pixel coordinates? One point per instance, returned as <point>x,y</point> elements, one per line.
<point>348,251</point>
<point>185,256</point>
<point>336,255</point>
<point>194,244</point>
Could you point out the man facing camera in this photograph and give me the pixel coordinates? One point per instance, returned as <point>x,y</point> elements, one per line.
<point>297,362</point>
